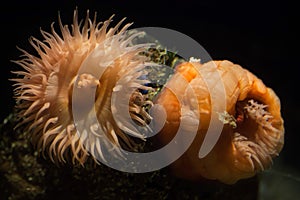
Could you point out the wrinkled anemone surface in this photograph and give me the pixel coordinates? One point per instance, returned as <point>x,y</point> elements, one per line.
<point>253,128</point>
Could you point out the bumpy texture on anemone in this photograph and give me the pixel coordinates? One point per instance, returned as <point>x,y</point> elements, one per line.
<point>44,88</point>
<point>253,131</point>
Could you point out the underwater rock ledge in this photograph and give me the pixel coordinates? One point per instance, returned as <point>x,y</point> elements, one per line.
<point>26,175</point>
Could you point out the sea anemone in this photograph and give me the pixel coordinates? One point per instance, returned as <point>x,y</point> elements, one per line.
<point>88,93</point>
<point>45,88</point>
<point>253,131</point>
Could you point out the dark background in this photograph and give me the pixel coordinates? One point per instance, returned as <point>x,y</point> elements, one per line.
<point>259,35</point>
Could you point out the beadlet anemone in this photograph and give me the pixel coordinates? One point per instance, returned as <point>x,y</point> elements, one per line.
<point>253,128</point>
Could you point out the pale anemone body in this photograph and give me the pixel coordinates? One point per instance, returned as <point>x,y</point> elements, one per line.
<point>44,90</point>
<point>253,131</point>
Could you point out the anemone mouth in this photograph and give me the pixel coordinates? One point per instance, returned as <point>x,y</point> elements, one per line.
<point>255,139</point>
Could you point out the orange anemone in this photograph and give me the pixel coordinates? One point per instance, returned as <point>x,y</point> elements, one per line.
<point>253,131</point>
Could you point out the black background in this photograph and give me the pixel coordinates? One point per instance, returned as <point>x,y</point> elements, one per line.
<point>259,35</point>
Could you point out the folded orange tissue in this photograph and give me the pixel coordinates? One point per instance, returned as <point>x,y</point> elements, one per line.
<point>253,131</point>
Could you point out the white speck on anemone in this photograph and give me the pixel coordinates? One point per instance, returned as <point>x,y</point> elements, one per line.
<point>44,88</point>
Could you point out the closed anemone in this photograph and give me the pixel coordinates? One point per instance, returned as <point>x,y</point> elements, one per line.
<point>44,88</point>
<point>253,132</point>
